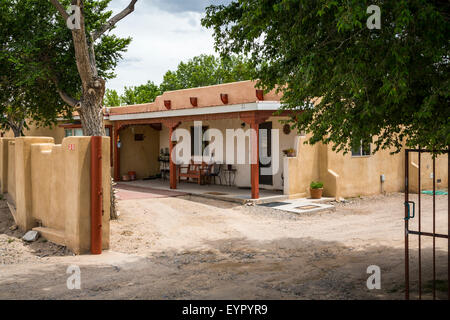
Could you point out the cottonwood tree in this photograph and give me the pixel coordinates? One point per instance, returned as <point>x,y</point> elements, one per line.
<point>90,104</point>
<point>37,61</point>
<point>206,70</point>
<point>383,85</point>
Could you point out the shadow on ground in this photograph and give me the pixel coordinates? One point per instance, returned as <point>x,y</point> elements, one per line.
<point>232,269</point>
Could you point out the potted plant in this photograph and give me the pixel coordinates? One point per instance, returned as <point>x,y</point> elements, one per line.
<point>316,189</point>
<point>289,152</point>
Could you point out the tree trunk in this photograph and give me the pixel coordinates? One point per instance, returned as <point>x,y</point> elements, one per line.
<point>91,109</point>
<point>17,132</point>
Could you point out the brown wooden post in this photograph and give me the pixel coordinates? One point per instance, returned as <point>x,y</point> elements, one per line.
<point>172,125</point>
<point>173,168</point>
<point>254,119</point>
<point>116,152</point>
<point>255,159</point>
<point>96,195</point>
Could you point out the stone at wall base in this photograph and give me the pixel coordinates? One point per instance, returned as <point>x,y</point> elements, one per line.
<point>31,236</point>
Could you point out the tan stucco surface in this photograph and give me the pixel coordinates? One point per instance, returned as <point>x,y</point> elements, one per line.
<point>238,92</point>
<point>139,156</point>
<point>52,188</point>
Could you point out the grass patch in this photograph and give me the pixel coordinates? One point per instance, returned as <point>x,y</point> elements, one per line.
<point>441,286</point>
<point>11,240</point>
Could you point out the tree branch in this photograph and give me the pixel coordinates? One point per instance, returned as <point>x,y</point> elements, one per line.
<point>68,99</point>
<point>60,9</point>
<point>112,22</point>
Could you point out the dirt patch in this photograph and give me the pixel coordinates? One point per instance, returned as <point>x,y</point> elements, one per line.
<point>13,250</point>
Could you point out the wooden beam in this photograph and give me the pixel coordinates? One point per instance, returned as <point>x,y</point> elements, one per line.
<point>172,125</point>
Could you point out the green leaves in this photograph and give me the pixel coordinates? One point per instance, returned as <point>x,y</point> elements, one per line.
<point>205,70</point>
<point>37,57</point>
<point>389,86</point>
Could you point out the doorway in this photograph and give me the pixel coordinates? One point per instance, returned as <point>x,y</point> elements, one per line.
<point>265,147</point>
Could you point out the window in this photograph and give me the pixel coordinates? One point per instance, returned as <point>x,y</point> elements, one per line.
<point>362,150</point>
<point>204,143</point>
<point>77,132</point>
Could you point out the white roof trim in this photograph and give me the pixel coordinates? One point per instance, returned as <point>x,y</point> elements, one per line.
<point>255,106</point>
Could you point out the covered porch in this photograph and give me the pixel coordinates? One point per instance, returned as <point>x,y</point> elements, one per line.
<point>166,126</point>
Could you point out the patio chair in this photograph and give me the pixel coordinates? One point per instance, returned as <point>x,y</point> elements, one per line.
<point>216,170</point>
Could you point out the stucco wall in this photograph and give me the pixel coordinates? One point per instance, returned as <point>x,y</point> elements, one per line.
<point>52,184</point>
<point>426,177</point>
<point>47,178</point>
<point>350,176</point>
<point>301,169</point>
<point>55,132</point>
<point>139,156</point>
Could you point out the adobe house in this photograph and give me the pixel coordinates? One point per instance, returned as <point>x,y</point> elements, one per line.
<point>140,132</point>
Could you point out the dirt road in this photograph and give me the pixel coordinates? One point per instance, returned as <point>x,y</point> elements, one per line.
<point>193,248</point>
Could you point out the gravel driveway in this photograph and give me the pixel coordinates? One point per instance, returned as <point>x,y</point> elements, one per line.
<point>193,248</point>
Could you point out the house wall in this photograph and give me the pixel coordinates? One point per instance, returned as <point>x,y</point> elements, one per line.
<point>426,170</point>
<point>50,187</point>
<point>243,170</point>
<point>361,175</point>
<point>301,169</point>
<point>55,132</point>
<point>139,156</point>
<point>349,176</point>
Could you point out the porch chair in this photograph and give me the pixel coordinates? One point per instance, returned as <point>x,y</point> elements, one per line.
<point>215,171</point>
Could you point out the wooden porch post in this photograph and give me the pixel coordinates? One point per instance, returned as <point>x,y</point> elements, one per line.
<point>255,159</point>
<point>254,119</point>
<point>116,152</point>
<point>173,168</point>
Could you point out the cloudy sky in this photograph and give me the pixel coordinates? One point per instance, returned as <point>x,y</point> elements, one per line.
<point>164,32</point>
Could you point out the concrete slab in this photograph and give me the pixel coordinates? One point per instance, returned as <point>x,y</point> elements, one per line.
<point>219,192</point>
<point>303,205</point>
<point>132,192</point>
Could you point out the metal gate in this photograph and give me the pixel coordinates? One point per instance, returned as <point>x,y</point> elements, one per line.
<point>410,213</point>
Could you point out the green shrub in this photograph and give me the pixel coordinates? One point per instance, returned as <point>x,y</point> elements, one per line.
<point>316,185</point>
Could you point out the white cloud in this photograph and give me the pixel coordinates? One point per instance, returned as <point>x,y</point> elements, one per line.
<point>161,40</point>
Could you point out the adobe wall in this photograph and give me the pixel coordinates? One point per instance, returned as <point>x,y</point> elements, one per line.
<point>349,176</point>
<point>139,156</point>
<point>55,132</point>
<point>52,188</point>
<point>426,170</point>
